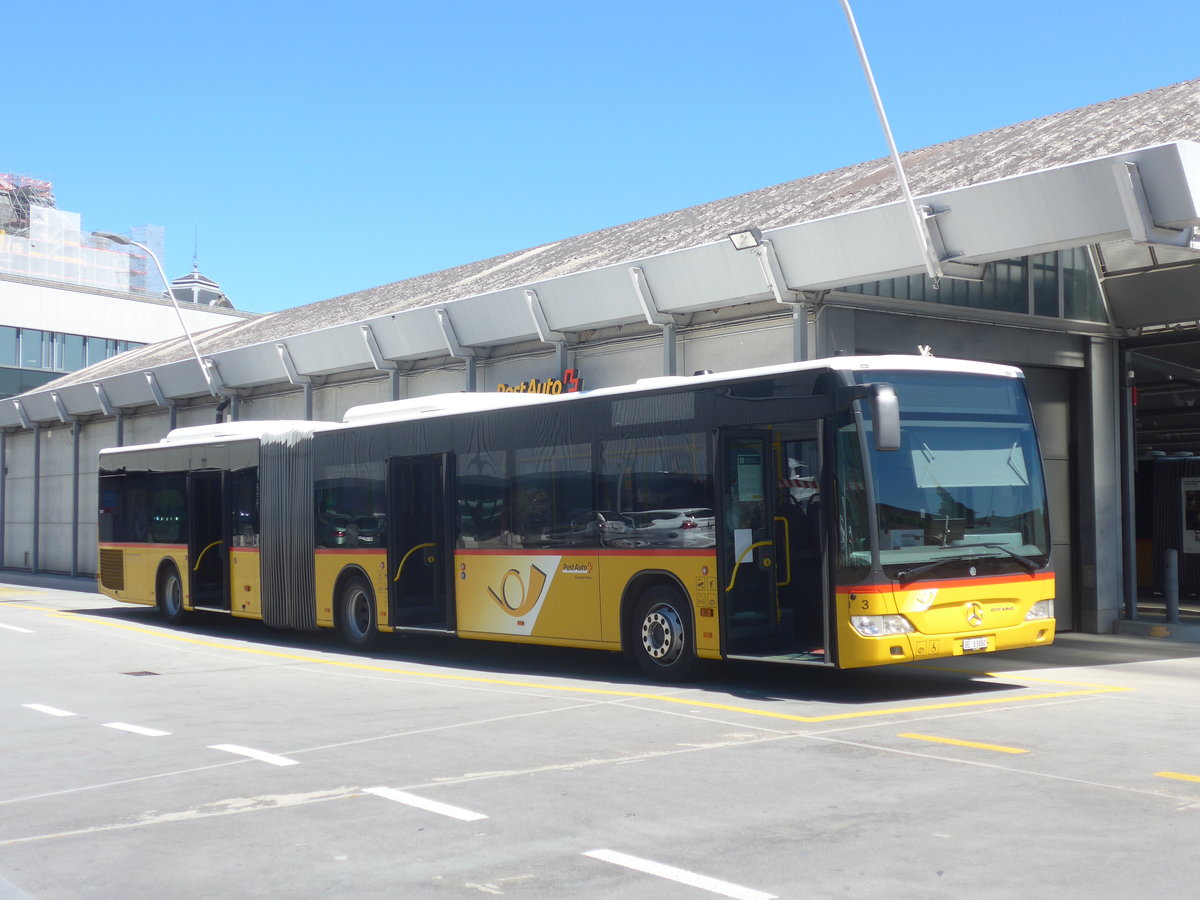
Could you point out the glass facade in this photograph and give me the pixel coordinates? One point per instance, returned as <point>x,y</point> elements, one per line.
<point>1058,285</point>
<point>31,357</point>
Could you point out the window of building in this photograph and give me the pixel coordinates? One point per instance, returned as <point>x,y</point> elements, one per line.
<point>18,381</point>
<point>32,352</point>
<point>9,345</point>
<point>100,349</point>
<point>1057,285</point>
<point>74,352</point>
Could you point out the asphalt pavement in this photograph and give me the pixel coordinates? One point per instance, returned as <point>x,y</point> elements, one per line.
<point>226,758</point>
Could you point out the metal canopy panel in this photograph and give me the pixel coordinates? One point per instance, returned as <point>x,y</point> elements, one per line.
<point>1156,297</point>
<point>249,366</point>
<point>489,319</point>
<point>412,334</point>
<point>183,378</point>
<point>129,389</point>
<point>340,349</point>
<point>708,277</point>
<point>595,299</point>
<point>1054,209</point>
<point>79,399</point>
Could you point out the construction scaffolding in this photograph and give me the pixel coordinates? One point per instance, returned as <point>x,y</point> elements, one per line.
<point>18,193</point>
<point>37,240</point>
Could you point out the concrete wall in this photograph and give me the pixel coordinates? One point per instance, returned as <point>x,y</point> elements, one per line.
<point>1052,393</point>
<point>18,499</point>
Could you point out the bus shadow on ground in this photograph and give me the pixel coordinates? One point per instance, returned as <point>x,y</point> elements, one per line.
<point>744,680</point>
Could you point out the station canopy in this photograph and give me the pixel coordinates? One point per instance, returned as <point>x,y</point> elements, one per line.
<point>1120,178</point>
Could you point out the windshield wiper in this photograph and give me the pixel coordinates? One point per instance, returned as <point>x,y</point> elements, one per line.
<point>910,575</point>
<point>913,574</point>
<point>1026,563</point>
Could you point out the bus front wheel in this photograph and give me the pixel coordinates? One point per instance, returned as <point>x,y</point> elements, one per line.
<point>356,619</point>
<point>662,639</point>
<point>170,596</point>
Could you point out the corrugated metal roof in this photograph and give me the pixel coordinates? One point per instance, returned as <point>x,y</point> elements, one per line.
<point>1141,120</point>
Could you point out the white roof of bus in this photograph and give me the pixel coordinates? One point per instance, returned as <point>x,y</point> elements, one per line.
<point>837,363</point>
<point>451,404</point>
<point>223,432</point>
<point>439,405</point>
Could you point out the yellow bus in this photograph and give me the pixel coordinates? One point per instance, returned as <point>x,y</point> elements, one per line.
<point>847,512</point>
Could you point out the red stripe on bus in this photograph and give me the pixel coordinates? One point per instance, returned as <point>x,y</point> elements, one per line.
<point>134,544</point>
<point>965,581</point>
<point>585,551</point>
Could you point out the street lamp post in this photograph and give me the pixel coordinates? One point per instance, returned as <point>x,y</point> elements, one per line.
<point>119,239</point>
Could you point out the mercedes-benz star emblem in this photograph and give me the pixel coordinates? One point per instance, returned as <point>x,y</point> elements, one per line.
<point>974,615</point>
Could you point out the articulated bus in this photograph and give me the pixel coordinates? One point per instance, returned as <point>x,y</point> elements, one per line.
<point>848,512</point>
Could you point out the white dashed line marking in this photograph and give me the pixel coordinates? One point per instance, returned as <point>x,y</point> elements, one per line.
<point>260,755</point>
<point>682,876</point>
<point>15,628</point>
<point>136,729</point>
<point>48,710</point>
<point>443,809</point>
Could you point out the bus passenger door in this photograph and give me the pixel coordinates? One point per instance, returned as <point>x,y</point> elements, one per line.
<point>418,553</point>
<point>208,544</point>
<point>799,528</point>
<point>747,541</point>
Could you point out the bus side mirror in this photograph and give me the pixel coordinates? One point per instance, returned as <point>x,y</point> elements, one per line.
<point>885,411</point>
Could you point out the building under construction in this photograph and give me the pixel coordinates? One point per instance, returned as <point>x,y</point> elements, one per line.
<point>69,300</point>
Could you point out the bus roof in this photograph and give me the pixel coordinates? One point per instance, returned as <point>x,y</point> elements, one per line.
<point>892,362</point>
<point>463,402</point>
<point>439,405</point>
<point>223,432</point>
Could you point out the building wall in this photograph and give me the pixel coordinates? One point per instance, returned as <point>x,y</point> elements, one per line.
<point>92,439</point>
<point>1053,395</point>
<point>18,498</point>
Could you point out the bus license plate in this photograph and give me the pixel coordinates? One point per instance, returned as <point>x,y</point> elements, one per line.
<point>979,643</point>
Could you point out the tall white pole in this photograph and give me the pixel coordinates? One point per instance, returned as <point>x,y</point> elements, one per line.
<point>930,259</point>
<point>118,239</point>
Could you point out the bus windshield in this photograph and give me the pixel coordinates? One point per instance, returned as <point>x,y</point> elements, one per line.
<point>965,489</point>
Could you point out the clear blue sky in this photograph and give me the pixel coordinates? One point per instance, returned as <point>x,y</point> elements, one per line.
<point>323,148</point>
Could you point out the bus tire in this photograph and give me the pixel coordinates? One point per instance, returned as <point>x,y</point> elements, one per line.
<point>170,595</point>
<point>662,634</point>
<point>357,619</point>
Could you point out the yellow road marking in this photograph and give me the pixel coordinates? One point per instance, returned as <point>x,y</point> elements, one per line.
<point>999,748</point>
<point>603,692</point>
<point>1178,776</point>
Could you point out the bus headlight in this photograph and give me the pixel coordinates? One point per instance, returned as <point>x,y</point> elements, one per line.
<point>1043,609</point>
<point>875,626</point>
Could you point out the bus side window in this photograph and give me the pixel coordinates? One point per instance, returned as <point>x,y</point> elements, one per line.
<point>167,507</point>
<point>550,488</point>
<point>483,515</point>
<point>134,520</point>
<point>244,508</point>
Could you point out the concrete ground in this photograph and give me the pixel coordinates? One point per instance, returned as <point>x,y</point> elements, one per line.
<point>224,758</point>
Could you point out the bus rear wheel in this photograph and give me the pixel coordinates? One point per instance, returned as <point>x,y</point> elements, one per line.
<point>356,616</point>
<point>170,595</point>
<point>662,639</point>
